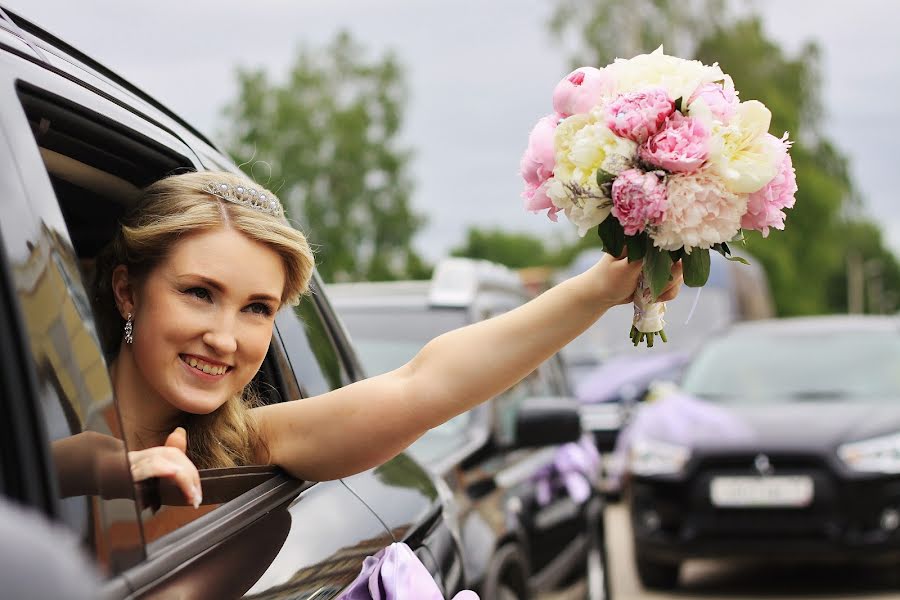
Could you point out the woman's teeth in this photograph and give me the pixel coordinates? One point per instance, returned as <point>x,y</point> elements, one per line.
<point>205,367</point>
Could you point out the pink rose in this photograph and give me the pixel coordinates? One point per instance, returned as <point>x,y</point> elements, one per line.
<point>580,91</point>
<point>639,115</point>
<point>765,207</point>
<point>639,199</point>
<point>721,100</point>
<point>536,166</point>
<point>681,146</point>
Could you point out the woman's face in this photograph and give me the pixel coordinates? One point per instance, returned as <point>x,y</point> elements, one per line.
<point>203,318</point>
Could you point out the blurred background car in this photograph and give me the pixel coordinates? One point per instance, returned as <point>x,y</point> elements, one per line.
<point>610,376</point>
<point>524,530</point>
<point>782,441</point>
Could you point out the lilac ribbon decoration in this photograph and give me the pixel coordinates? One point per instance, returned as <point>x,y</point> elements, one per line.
<point>576,464</point>
<point>396,573</point>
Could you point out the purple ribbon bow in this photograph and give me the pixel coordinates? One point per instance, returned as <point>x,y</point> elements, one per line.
<point>395,573</point>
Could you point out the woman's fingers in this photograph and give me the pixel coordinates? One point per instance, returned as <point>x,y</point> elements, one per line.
<point>672,289</point>
<point>171,463</point>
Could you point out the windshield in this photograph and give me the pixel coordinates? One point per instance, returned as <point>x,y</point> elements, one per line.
<point>793,366</point>
<point>386,339</point>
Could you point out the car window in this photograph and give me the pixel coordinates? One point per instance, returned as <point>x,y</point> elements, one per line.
<point>94,168</point>
<point>312,351</point>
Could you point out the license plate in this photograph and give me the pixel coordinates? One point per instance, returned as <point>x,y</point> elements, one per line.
<point>767,491</point>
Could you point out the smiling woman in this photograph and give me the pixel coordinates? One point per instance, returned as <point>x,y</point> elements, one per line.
<point>186,295</point>
<point>197,279</point>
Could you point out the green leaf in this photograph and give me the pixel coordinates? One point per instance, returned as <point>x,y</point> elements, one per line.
<point>696,267</point>
<point>604,177</point>
<point>657,269</point>
<point>637,246</point>
<point>679,104</point>
<point>739,259</point>
<point>612,235</point>
<point>676,254</point>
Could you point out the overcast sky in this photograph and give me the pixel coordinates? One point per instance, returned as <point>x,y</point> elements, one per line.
<point>480,74</point>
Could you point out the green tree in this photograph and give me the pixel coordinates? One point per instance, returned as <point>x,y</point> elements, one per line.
<point>806,264</point>
<point>326,138</point>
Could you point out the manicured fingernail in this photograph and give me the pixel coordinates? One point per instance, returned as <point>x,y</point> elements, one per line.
<point>198,496</point>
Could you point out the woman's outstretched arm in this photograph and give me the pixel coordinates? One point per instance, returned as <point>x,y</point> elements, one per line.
<point>364,424</point>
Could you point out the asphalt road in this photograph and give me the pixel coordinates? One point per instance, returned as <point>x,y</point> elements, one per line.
<point>729,580</point>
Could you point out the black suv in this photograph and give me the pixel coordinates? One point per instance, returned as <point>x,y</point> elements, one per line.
<point>76,144</point>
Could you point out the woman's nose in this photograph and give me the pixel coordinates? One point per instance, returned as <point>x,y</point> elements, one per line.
<point>221,338</point>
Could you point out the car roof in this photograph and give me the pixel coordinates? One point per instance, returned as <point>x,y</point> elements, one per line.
<point>75,65</point>
<point>379,294</point>
<point>818,324</point>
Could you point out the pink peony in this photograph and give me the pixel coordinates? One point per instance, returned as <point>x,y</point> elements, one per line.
<point>720,100</point>
<point>700,212</point>
<point>682,145</point>
<point>580,91</point>
<point>639,199</point>
<point>536,166</point>
<point>639,115</point>
<point>765,207</point>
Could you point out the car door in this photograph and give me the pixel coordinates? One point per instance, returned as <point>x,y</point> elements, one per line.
<point>399,492</point>
<point>273,533</point>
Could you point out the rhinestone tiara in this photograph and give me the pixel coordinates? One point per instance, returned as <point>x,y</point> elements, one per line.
<point>246,196</point>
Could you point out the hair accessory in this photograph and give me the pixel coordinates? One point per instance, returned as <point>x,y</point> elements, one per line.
<point>129,329</point>
<point>246,196</point>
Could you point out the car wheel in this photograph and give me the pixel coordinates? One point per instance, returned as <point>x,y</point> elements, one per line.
<point>507,575</point>
<point>657,575</point>
<point>507,593</point>
<point>597,573</point>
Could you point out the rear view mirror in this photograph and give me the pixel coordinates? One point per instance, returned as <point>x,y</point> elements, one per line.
<point>547,421</point>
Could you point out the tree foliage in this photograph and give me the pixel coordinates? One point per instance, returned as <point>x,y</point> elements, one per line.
<point>806,264</point>
<point>326,139</point>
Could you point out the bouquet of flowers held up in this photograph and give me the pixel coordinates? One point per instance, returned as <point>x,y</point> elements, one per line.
<point>662,157</point>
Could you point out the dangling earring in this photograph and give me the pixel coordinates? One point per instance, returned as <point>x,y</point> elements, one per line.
<point>129,329</point>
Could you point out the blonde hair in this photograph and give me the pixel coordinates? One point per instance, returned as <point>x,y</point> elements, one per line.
<point>169,209</point>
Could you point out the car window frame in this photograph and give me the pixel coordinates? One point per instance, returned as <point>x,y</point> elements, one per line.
<point>179,538</point>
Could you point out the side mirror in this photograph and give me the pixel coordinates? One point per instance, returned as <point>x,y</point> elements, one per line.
<point>547,421</point>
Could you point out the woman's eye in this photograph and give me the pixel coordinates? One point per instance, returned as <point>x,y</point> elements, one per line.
<point>199,292</point>
<point>259,308</point>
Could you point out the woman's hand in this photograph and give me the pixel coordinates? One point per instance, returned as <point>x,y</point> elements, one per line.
<point>169,461</point>
<point>617,279</point>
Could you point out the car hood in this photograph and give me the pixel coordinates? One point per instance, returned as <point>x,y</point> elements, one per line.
<point>700,425</point>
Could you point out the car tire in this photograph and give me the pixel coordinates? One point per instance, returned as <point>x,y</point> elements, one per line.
<point>597,572</point>
<point>507,575</point>
<point>656,575</point>
<point>506,593</point>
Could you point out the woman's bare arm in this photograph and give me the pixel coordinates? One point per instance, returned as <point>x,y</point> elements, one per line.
<point>364,424</point>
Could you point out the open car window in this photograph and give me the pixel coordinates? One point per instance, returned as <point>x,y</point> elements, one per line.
<point>96,168</point>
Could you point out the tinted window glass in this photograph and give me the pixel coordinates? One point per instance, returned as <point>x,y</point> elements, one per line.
<point>783,366</point>
<point>315,361</point>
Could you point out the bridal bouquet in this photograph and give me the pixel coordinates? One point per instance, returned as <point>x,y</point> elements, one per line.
<point>662,157</point>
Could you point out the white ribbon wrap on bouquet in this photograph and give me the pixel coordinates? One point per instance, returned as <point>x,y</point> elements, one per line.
<point>648,315</point>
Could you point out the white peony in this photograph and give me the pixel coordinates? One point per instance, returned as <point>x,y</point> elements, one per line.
<point>740,152</point>
<point>701,212</point>
<point>584,144</point>
<point>679,77</point>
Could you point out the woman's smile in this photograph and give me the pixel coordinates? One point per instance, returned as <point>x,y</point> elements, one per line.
<point>208,369</point>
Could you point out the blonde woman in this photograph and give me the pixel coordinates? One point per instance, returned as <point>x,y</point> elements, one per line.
<point>187,294</point>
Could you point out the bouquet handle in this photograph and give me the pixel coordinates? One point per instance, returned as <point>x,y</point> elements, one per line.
<point>648,319</point>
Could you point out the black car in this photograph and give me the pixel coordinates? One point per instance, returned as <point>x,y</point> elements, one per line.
<point>783,442</point>
<point>494,455</point>
<point>77,143</point>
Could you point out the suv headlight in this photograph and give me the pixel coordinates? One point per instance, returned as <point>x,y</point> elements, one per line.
<point>652,457</point>
<point>876,455</point>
